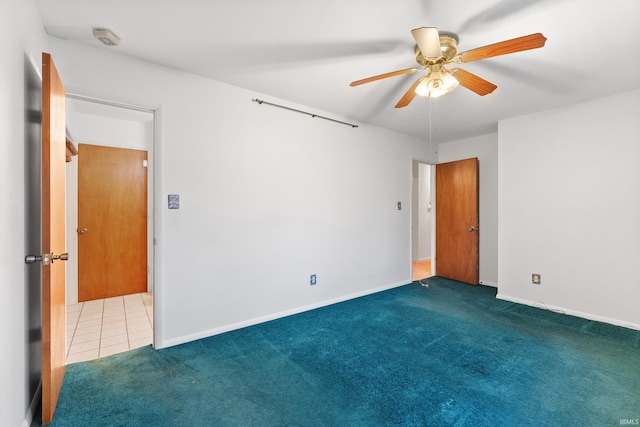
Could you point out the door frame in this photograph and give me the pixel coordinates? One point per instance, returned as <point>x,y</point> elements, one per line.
<point>153,178</point>
<point>434,224</point>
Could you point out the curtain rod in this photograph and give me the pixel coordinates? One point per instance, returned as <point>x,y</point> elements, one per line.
<point>260,101</point>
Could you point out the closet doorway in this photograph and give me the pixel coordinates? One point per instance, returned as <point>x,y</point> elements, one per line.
<point>422,217</point>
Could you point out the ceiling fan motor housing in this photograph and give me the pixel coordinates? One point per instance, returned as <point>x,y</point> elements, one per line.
<point>448,46</point>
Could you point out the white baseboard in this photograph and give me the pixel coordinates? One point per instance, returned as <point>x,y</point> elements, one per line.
<point>257,320</point>
<point>588,316</point>
<point>33,407</point>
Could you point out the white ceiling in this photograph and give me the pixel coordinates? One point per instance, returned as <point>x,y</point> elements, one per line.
<point>308,52</point>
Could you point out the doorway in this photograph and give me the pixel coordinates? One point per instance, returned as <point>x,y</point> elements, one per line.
<point>422,221</point>
<point>454,220</point>
<point>111,323</point>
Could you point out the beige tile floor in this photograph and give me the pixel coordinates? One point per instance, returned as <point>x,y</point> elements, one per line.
<point>108,326</point>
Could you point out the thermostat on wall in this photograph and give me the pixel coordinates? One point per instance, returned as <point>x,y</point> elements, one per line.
<point>174,201</point>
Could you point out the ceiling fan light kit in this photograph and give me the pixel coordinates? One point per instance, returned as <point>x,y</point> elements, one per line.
<point>436,50</point>
<point>437,83</point>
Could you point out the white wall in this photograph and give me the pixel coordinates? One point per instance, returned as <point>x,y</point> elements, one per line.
<point>569,208</point>
<point>268,197</point>
<point>485,148</point>
<point>22,40</point>
<point>111,132</point>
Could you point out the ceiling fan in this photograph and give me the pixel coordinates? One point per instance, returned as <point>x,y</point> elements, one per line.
<point>436,50</point>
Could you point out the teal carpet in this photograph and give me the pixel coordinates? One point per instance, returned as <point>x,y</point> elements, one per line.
<point>447,355</point>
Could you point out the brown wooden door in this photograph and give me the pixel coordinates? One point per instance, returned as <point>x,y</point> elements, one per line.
<point>53,236</point>
<point>457,234</point>
<point>112,222</point>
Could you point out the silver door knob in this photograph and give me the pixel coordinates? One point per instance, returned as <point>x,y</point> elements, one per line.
<point>472,228</point>
<point>44,259</point>
<point>30,259</point>
<point>61,257</point>
<point>83,230</point>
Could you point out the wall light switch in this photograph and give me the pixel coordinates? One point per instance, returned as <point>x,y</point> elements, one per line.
<point>399,206</point>
<point>174,201</point>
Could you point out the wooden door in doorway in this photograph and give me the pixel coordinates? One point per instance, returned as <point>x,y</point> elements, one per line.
<point>457,219</point>
<point>53,236</point>
<point>112,222</point>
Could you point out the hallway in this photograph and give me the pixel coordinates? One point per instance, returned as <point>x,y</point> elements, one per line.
<point>421,269</point>
<point>108,326</point>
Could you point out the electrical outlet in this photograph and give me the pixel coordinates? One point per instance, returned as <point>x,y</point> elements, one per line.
<point>536,278</point>
<point>313,280</point>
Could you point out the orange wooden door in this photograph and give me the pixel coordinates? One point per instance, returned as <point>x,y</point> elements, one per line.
<point>457,219</point>
<point>112,222</point>
<point>53,236</point>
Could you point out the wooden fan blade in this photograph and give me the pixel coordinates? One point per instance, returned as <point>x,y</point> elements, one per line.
<point>383,76</point>
<point>473,82</point>
<point>409,95</point>
<point>428,40</point>
<point>532,41</point>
